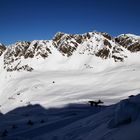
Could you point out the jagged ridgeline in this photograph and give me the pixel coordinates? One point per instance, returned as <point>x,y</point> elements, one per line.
<point>17,57</point>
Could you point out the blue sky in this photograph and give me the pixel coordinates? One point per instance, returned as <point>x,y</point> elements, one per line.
<point>41,19</point>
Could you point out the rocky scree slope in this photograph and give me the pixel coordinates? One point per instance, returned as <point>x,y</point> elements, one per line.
<point>16,57</point>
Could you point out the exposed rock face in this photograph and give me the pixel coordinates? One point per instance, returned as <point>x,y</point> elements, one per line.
<point>2,49</point>
<point>131,42</point>
<point>93,43</point>
<point>66,43</point>
<point>25,50</point>
<point>106,35</point>
<point>90,44</point>
<point>117,53</point>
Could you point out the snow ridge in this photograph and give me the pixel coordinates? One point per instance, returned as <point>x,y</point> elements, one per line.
<point>67,47</point>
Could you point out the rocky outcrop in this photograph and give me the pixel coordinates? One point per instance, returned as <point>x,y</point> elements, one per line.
<point>66,43</point>
<point>106,35</point>
<point>2,49</point>
<point>92,43</point>
<point>25,50</point>
<point>131,42</point>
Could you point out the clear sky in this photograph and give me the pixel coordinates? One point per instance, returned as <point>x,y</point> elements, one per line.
<point>41,19</point>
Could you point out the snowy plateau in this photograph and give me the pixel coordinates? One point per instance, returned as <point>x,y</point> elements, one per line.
<point>46,86</point>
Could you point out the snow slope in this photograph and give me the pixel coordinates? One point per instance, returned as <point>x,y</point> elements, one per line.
<point>74,122</point>
<point>109,83</point>
<point>44,77</point>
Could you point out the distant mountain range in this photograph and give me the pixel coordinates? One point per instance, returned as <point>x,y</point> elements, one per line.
<point>67,47</point>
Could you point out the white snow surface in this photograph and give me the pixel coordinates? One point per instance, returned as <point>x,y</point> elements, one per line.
<point>110,82</point>
<point>58,90</point>
<point>73,83</point>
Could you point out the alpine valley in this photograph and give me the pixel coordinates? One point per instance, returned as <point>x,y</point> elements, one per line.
<point>45,86</point>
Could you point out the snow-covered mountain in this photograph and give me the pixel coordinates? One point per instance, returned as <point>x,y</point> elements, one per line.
<point>66,47</point>
<point>95,55</point>
<point>51,82</point>
<point>129,41</point>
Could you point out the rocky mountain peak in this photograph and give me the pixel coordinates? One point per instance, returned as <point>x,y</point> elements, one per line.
<point>19,51</point>
<point>106,35</point>
<point>20,56</point>
<point>129,41</point>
